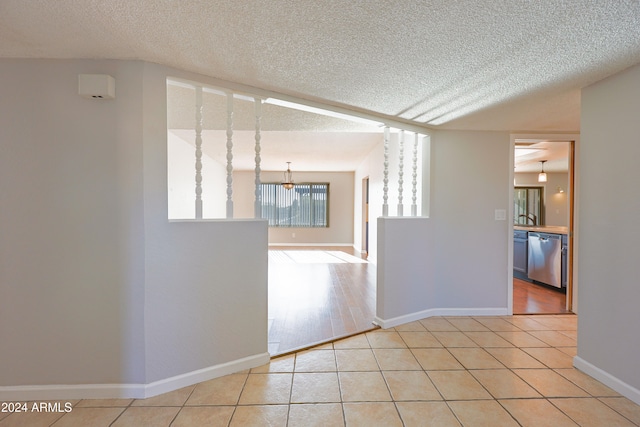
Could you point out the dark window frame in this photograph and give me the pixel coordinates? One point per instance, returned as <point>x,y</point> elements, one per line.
<point>306,205</point>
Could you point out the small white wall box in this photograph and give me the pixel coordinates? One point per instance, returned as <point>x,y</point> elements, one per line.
<point>98,86</point>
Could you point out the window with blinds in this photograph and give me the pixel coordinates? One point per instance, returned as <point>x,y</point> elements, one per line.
<point>305,205</point>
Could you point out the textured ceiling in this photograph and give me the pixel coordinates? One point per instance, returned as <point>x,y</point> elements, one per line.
<point>485,65</point>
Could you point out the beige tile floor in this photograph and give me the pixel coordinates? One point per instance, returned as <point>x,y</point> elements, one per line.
<point>445,371</point>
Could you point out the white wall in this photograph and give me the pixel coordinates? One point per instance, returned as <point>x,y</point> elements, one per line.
<point>203,306</point>
<point>206,282</point>
<point>465,192</point>
<point>455,261</point>
<point>341,193</point>
<point>556,204</point>
<point>182,182</point>
<point>372,167</point>
<point>406,286</point>
<point>98,290</point>
<point>609,208</point>
<point>71,226</point>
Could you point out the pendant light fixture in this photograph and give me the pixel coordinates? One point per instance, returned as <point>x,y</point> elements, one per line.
<point>542,176</point>
<point>288,178</point>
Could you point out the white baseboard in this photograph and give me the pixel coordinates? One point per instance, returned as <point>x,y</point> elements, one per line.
<point>607,379</point>
<point>174,383</point>
<point>412,317</point>
<point>70,391</point>
<point>136,391</point>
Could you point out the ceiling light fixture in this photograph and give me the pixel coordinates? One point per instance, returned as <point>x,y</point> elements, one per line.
<point>288,178</point>
<point>542,176</point>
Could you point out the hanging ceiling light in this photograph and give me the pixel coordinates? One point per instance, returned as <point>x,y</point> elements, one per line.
<point>542,176</point>
<point>288,178</point>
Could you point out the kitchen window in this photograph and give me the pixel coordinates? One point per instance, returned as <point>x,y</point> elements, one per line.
<point>305,205</point>
<point>528,206</point>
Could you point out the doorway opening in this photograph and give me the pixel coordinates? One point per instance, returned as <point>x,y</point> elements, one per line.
<point>543,224</point>
<point>318,294</point>
<point>365,217</point>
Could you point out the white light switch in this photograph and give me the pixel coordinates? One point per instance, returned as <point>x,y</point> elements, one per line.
<point>501,215</point>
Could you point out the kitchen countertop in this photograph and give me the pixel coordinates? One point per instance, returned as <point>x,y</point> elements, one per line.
<point>554,229</point>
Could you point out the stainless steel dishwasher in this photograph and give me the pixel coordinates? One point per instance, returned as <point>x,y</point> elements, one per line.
<point>545,258</point>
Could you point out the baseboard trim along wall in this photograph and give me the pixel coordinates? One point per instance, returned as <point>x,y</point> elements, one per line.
<point>607,379</point>
<point>135,391</point>
<point>412,317</point>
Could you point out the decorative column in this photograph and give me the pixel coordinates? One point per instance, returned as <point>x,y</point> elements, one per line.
<point>229,155</point>
<point>414,182</point>
<point>385,180</point>
<point>400,173</point>
<point>258,202</point>
<point>199,152</point>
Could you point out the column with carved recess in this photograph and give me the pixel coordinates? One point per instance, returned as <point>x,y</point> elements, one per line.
<point>400,173</point>
<point>385,180</point>
<point>198,144</point>
<point>414,181</point>
<point>258,201</point>
<point>229,155</point>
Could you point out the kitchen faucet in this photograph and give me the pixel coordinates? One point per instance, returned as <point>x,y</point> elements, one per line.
<point>530,217</point>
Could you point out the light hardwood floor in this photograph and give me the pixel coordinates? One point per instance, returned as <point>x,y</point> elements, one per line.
<point>317,295</point>
<point>530,298</point>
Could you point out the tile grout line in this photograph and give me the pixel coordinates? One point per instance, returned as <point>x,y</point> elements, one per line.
<point>494,398</point>
<point>600,397</point>
<point>547,398</point>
